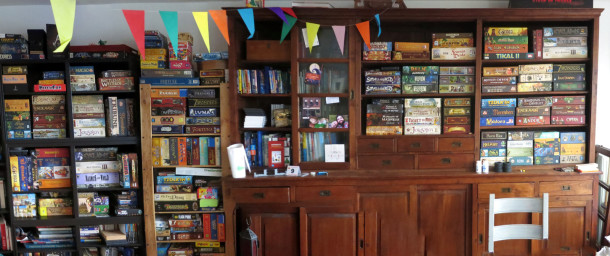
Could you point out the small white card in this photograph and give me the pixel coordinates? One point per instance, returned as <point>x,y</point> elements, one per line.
<point>332,100</point>
<point>315,42</point>
<point>334,153</point>
<point>293,170</point>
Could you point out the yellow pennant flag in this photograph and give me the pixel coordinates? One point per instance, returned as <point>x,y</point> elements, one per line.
<point>64,12</point>
<point>312,33</point>
<point>201,18</point>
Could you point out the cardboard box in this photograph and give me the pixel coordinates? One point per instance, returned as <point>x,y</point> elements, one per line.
<point>212,64</point>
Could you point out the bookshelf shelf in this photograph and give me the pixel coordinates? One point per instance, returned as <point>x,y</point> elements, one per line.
<point>44,190</point>
<point>102,244</point>
<point>187,241</point>
<point>70,221</point>
<point>33,250</point>
<point>33,93</point>
<point>532,61</point>
<point>106,189</point>
<point>252,95</point>
<point>187,166</point>
<point>105,93</point>
<point>522,94</point>
<point>186,135</point>
<point>187,212</point>
<point>375,63</point>
<point>184,86</point>
<point>323,130</point>
<point>341,95</point>
<point>537,127</point>
<point>324,60</point>
<point>267,129</point>
<point>85,142</point>
<point>423,95</point>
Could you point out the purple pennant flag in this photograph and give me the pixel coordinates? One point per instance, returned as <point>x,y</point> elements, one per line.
<point>378,24</point>
<point>279,12</point>
<point>340,35</point>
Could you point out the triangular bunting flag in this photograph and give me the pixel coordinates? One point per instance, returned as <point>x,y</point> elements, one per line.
<point>378,24</point>
<point>135,20</point>
<point>289,11</point>
<point>64,12</point>
<point>248,16</point>
<point>363,28</point>
<point>312,32</point>
<point>278,11</point>
<point>220,18</point>
<point>286,27</point>
<point>201,18</point>
<point>170,19</point>
<point>340,35</point>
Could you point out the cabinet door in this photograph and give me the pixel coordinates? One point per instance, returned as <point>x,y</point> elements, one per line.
<point>444,218</point>
<point>329,234</point>
<point>278,233</point>
<point>502,248</point>
<point>569,227</point>
<point>390,223</point>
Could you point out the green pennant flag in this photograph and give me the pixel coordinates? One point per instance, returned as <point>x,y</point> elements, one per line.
<point>286,27</point>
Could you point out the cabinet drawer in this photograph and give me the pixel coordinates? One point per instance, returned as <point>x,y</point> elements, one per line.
<point>455,144</point>
<point>387,161</point>
<point>261,195</point>
<point>445,161</point>
<point>375,145</point>
<point>503,190</point>
<point>324,194</point>
<point>407,144</point>
<point>567,188</point>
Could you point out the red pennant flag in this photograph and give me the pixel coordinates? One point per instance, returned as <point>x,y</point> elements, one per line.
<point>365,32</point>
<point>135,20</point>
<point>220,18</point>
<point>289,11</point>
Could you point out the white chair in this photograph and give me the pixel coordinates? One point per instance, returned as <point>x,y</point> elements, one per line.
<point>518,231</point>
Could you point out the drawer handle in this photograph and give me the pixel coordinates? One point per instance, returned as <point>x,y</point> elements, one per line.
<point>565,187</point>
<point>258,195</point>
<point>375,145</point>
<point>446,160</point>
<point>565,248</point>
<point>415,145</point>
<point>506,190</point>
<point>325,193</point>
<point>386,162</point>
<point>456,144</point>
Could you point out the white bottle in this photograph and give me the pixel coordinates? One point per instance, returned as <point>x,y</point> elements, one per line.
<point>479,167</point>
<point>485,166</point>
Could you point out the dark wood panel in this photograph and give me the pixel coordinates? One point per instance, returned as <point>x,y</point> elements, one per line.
<point>455,144</point>
<point>503,190</point>
<point>566,230</point>
<point>386,162</point>
<point>409,144</point>
<point>375,145</point>
<point>325,194</point>
<point>261,195</point>
<point>331,234</point>
<point>502,248</point>
<point>443,218</point>
<point>567,188</point>
<point>444,161</point>
<point>278,233</point>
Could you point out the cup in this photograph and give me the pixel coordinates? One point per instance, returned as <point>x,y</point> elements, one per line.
<point>498,166</point>
<point>507,167</point>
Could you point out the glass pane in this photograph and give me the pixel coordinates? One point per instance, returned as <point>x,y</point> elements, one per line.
<point>327,47</point>
<point>314,144</point>
<point>600,235</point>
<point>324,112</point>
<point>323,78</point>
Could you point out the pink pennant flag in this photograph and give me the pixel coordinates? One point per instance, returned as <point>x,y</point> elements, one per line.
<point>135,20</point>
<point>340,35</point>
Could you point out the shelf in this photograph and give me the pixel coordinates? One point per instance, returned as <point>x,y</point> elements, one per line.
<point>183,86</point>
<point>324,60</point>
<point>44,190</point>
<point>101,60</point>
<point>535,61</point>
<point>320,166</point>
<point>102,244</point>
<point>272,95</point>
<point>536,127</point>
<point>186,135</point>
<point>267,129</point>
<point>341,95</point>
<point>374,63</point>
<point>323,129</point>
<point>103,92</point>
<point>71,221</point>
<point>88,142</point>
<point>6,252</point>
<point>65,249</point>
<point>263,62</point>
<point>4,211</point>
<point>31,62</point>
<point>422,95</point>
<point>519,94</point>
<point>193,212</point>
<point>186,241</point>
<point>448,135</point>
<point>188,166</point>
<point>34,93</point>
<point>105,189</point>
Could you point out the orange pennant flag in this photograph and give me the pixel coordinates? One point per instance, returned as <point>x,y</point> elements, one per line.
<point>220,18</point>
<point>365,32</point>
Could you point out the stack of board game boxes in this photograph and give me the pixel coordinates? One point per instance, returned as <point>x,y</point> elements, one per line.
<point>377,51</point>
<point>384,117</point>
<point>41,168</point>
<point>154,66</point>
<point>14,79</point>
<point>169,111</point>
<point>453,46</point>
<point>104,167</point>
<point>457,115</point>
<point>498,112</point>
<point>564,42</point>
<point>155,45</point>
<point>419,79</point>
<point>382,82</point>
<point>422,116</point>
<point>182,56</point>
<point>456,80</point>
<point>18,119</point>
<point>493,146</point>
<point>534,78</point>
<point>499,79</point>
<point>506,43</point>
<point>52,81</point>
<point>568,110</point>
<point>533,111</point>
<point>49,116</point>
<point>14,46</point>
<point>88,116</point>
<point>82,78</point>
<point>411,50</point>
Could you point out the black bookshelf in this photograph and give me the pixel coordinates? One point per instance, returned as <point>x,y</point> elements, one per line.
<point>125,144</point>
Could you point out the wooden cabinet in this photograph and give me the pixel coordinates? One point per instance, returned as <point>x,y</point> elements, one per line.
<point>502,248</point>
<point>329,234</point>
<point>574,232</point>
<point>278,233</point>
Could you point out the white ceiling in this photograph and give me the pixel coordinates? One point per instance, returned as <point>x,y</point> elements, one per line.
<point>80,2</point>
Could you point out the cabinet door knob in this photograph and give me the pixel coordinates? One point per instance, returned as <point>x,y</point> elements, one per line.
<point>565,187</point>
<point>386,162</point>
<point>506,190</point>
<point>258,195</point>
<point>325,193</point>
<point>375,145</point>
<point>416,145</point>
<point>456,144</point>
<point>446,160</point>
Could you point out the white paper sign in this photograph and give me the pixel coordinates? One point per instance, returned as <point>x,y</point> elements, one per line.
<point>334,153</point>
<point>293,170</point>
<point>332,100</point>
<point>315,42</point>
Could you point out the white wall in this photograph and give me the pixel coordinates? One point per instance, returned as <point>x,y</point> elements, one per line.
<point>106,22</point>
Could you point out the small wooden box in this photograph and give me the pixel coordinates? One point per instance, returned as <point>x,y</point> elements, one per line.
<point>212,64</point>
<point>268,50</point>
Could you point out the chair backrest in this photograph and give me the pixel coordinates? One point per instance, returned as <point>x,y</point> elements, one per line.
<point>518,231</point>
